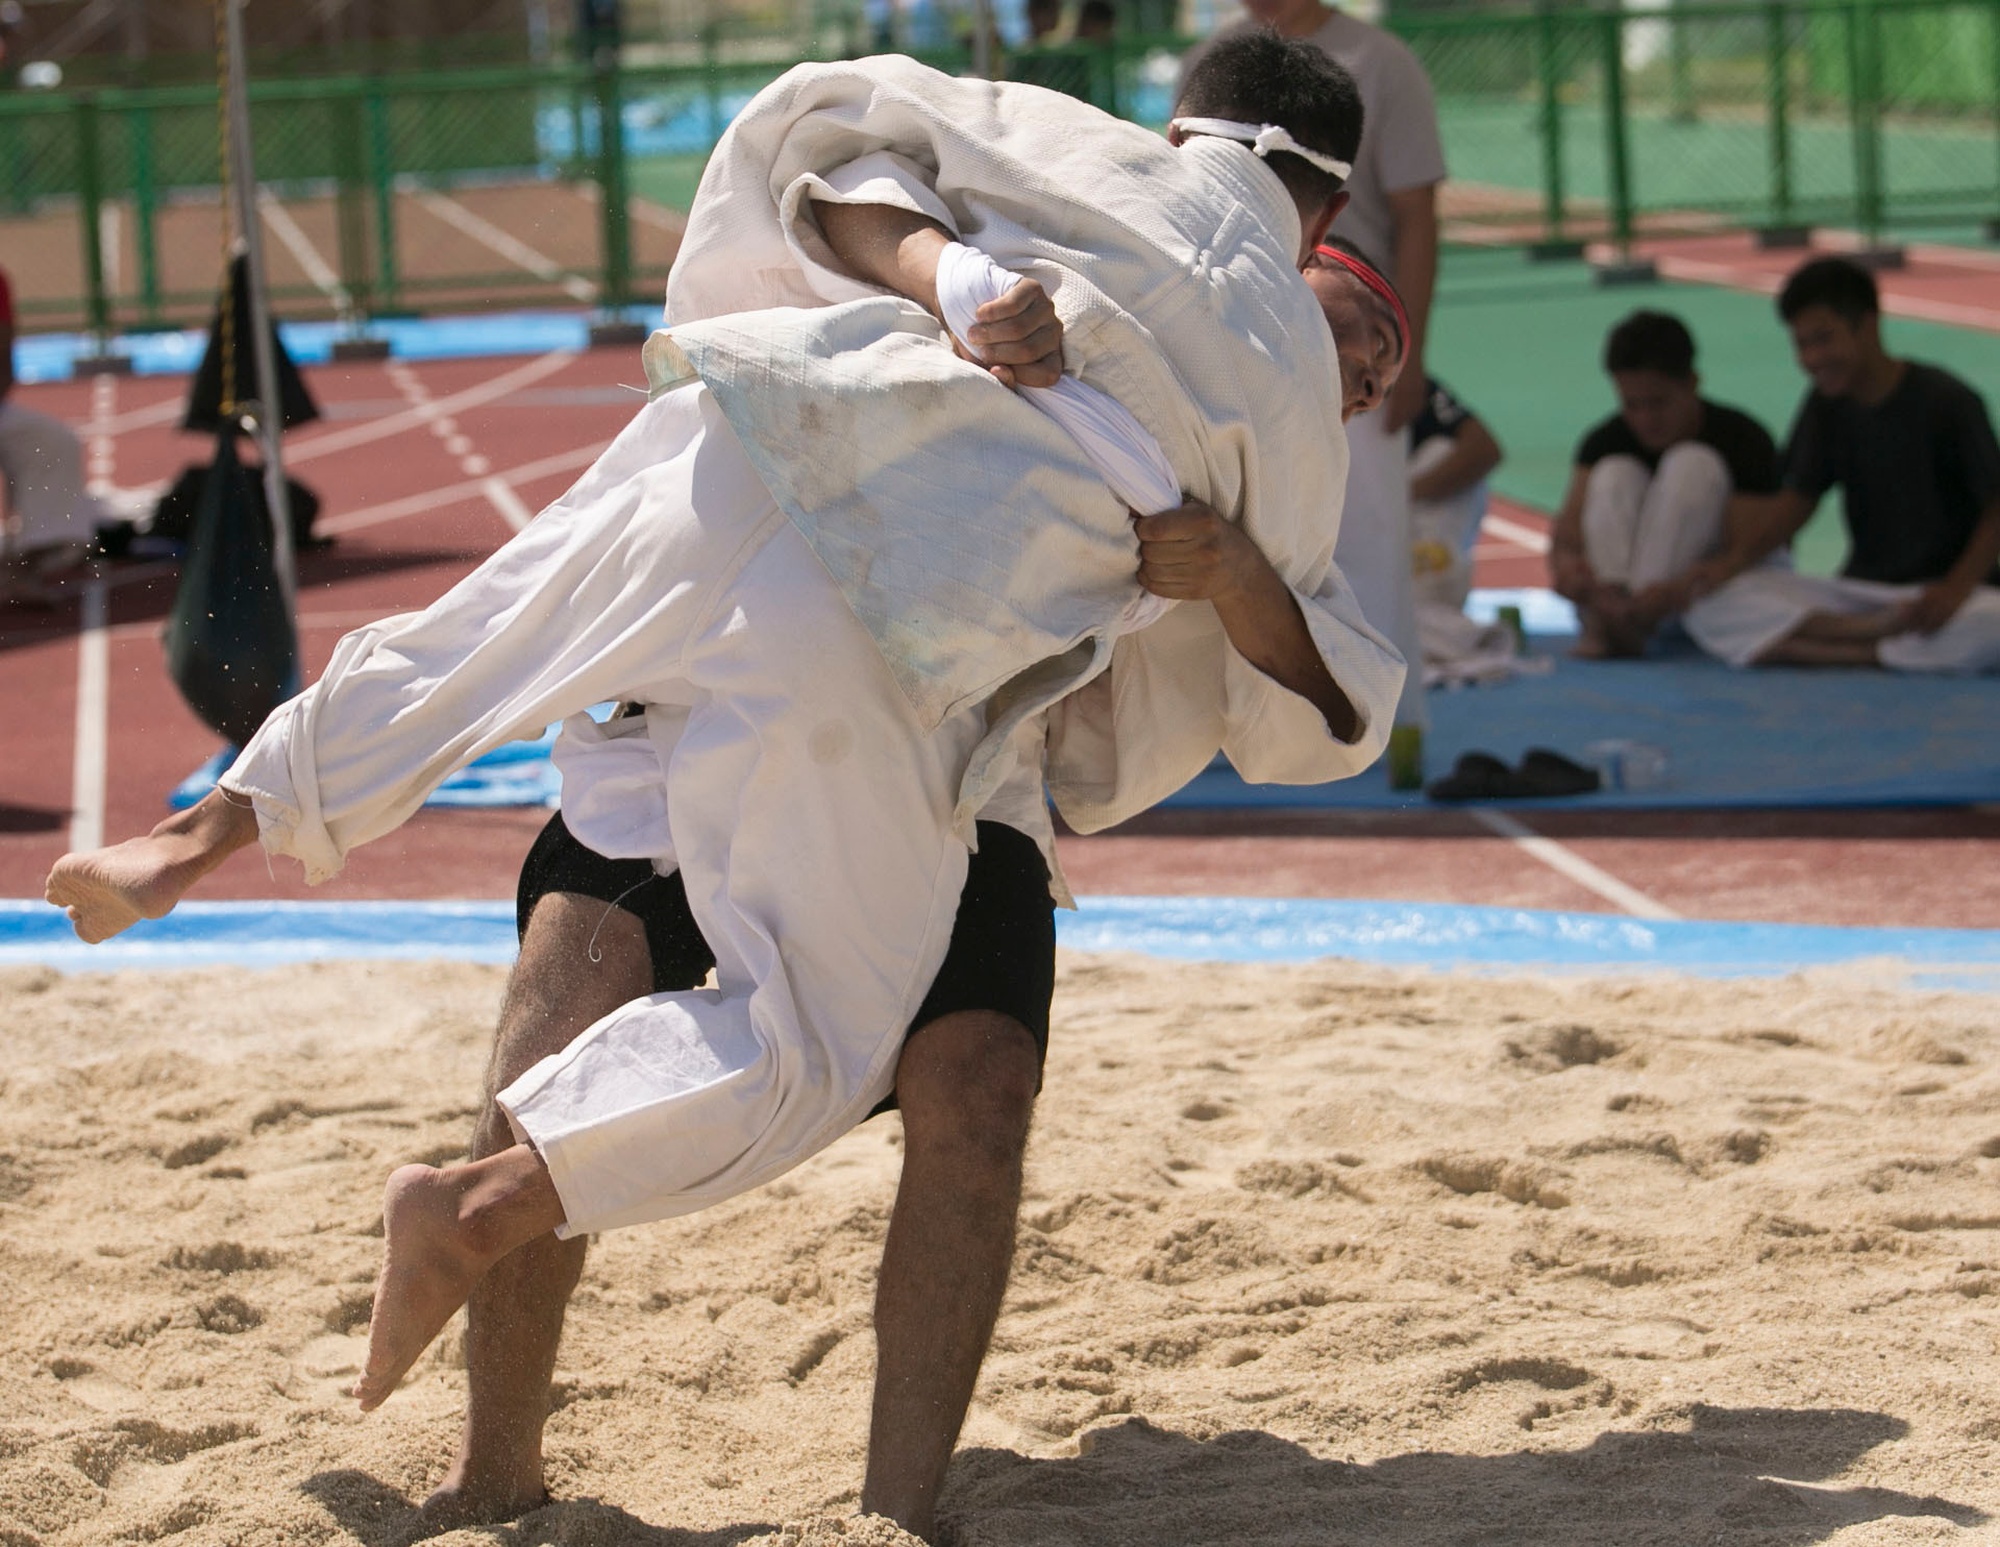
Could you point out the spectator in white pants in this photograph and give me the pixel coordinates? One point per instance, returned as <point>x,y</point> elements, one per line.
<point>50,518</point>
<point>1652,489</point>
<point>1914,453</point>
<point>1452,452</point>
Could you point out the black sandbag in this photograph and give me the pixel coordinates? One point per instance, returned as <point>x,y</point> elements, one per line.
<point>174,511</point>
<point>231,648</point>
<point>204,410</point>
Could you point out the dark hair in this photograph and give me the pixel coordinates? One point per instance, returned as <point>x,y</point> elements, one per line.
<point>1651,341</point>
<point>1100,15</point>
<point>1846,289</point>
<point>1257,77</point>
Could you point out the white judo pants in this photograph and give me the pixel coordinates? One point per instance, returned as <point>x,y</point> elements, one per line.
<point>41,463</point>
<point>1374,550</point>
<point>1641,527</point>
<point>810,813</point>
<point>1739,621</point>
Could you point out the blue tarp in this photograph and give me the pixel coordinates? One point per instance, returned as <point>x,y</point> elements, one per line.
<point>1769,737</point>
<point>1236,929</point>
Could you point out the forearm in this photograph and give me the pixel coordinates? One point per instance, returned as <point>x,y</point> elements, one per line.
<point>1981,553</point>
<point>1756,527</point>
<point>1471,458</point>
<point>883,245</point>
<point>1267,628</point>
<point>1416,266</point>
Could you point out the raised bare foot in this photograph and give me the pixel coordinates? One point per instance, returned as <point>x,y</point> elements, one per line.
<point>442,1229</point>
<point>107,891</point>
<point>428,1268</point>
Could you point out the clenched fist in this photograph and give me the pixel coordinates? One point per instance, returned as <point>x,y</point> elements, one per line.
<point>1192,554</point>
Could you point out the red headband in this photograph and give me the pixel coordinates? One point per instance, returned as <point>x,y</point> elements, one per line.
<point>1375,282</point>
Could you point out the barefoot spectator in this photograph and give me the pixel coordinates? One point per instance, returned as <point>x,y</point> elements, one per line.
<point>49,517</point>
<point>1651,489</point>
<point>1912,449</point>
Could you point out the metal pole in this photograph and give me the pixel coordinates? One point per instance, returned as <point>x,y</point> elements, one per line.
<point>1552,122</point>
<point>90,195</point>
<point>1863,83</point>
<point>145,210</point>
<point>1779,86</point>
<point>270,402</point>
<point>982,39</point>
<point>1615,141</point>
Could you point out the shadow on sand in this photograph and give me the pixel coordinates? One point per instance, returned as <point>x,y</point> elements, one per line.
<point>1742,1476</point>
<point>1748,1475</point>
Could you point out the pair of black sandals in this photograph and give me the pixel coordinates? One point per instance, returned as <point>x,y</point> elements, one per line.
<point>1541,775</point>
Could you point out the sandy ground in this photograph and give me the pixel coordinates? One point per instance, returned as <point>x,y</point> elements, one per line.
<point>1313,1255</point>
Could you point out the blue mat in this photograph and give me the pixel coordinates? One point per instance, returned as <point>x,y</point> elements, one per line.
<point>1235,929</point>
<point>1769,737</point>
<point>40,357</point>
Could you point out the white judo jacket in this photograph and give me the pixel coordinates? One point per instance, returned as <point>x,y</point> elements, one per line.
<point>979,547</point>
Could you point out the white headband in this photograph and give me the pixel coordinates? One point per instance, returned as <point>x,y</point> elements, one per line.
<point>1263,139</point>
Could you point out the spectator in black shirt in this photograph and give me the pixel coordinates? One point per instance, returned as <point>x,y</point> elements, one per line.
<point>1914,453</point>
<point>1651,490</point>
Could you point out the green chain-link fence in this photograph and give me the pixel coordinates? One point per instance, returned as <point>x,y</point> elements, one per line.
<point>563,183</point>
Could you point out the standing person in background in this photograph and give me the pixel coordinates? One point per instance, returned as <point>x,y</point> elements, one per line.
<point>50,519</point>
<point>1392,217</point>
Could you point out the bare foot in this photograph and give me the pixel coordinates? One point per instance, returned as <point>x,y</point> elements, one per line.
<point>442,1229</point>
<point>107,891</point>
<point>463,1500</point>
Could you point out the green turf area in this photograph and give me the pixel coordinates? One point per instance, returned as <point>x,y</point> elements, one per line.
<point>1722,160</point>
<point>668,180</point>
<point>1520,342</point>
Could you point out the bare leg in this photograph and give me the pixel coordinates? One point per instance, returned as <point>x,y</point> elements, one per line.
<point>106,891</point>
<point>514,1317</point>
<point>966,1086</point>
<point>1800,650</point>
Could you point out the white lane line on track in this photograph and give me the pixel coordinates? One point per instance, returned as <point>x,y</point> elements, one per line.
<point>100,448</point>
<point>471,488</point>
<point>472,397</point>
<point>1566,861</point>
<point>513,509</point>
<point>93,691</point>
<point>1515,533</point>
<point>300,246</point>
<point>507,245</point>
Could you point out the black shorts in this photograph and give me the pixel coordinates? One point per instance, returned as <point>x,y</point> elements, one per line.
<point>1002,955</point>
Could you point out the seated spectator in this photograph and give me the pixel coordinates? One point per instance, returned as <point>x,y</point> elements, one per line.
<point>1913,451</point>
<point>50,521</point>
<point>1651,488</point>
<point>1451,454</point>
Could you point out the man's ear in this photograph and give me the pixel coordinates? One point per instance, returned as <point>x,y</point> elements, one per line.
<point>1176,136</point>
<point>1316,231</point>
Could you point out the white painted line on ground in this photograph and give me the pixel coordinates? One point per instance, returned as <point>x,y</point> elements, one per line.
<point>507,245</point>
<point>1566,861</point>
<point>1517,534</point>
<point>396,424</point>
<point>451,494</point>
<point>513,509</point>
<point>93,691</point>
<point>101,450</point>
<point>300,246</point>
<point>145,418</point>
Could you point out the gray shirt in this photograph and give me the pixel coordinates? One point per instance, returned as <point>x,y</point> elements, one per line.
<point>1399,142</point>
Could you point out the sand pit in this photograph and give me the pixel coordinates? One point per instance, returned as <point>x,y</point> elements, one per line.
<point>1310,1256</point>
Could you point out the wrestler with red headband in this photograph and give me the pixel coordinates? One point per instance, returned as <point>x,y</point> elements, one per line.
<point>1371,327</point>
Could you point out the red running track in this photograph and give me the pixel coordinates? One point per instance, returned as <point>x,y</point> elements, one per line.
<point>427,468</point>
